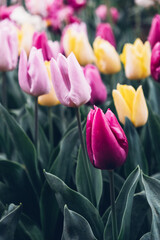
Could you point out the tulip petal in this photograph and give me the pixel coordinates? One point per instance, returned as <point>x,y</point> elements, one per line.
<point>89,134</point>
<point>128,94</point>
<point>140,110</point>
<point>22,73</point>
<point>61,89</point>
<point>80,92</point>
<point>121,106</point>
<point>107,153</point>
<point>37,71</point>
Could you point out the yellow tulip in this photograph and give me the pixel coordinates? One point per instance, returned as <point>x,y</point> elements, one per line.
<point>130,103</point>
<point>25,35</point>
<point>77,42</point>
<point>136,59</point>
<point>107,59</point>
<point>50,98</point>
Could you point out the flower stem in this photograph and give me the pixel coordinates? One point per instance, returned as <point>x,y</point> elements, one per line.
<point>50,128</point>
<point>88,175</point>
<point>112,198</point>
<point>4,90</point>
<point>36,123</point>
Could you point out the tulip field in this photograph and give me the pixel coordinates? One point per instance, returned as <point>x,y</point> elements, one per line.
<point>79,120</point>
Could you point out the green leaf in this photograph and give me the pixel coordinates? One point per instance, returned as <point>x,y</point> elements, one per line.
<point>136,155</point>
<point>152,189</point>
<point>76,202</point>
<point>88,179</point>
<point>147,236</point>
<point>124,203</point>
<point>8,222</point>
<point>23,146</point>
<point>14,176</point>
<point>76,227</point>
<point>139,211</point>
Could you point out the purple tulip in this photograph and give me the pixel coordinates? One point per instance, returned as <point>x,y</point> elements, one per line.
<point>70,84</point>
<point>107,144</point>
<point>104,30</point>
<point>98,89</point>
<point>155,62</point>
<point>49,49</point>
<point>8,46</point>
<point>76,4</point>
<point>32,75</point>
<point>154,33</point>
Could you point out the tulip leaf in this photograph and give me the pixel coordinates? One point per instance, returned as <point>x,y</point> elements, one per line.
<point>154,129</point>
<point>124,204</point>
<point>136,155</point>
<point>15,176</point>
<point>152,189</point>
<point>76,202</point>
<point>90,185</point>
<point>146,236</point>
<point>140,210</point>
<point>76,227</point>
<point>23,146</point>
<point>9,221</point>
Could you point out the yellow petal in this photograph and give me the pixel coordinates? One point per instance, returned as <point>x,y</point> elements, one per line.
<point>121,106</point>
<point>140,110</point>
<point>107,59</point>
<point>128,94</point>
<point>146,59</point>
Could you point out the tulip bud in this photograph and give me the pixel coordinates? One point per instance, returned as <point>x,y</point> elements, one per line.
<point>130,103</point>
<point>104,30</point>
<point>98,89</point>
<point>75,40</point>
<point>49,49</point>
<point>49,99</point>
<point>154,33</point>
<point>32,75</point>
<point>8,46</point>
<point>71,87</point>
<point>155,62</point>
<point>102,12</point>
<point>76,4</point>
<point>107,59</point>
<point>136,59</point>
<point>107,144</point>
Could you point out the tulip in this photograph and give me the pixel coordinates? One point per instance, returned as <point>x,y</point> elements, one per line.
<point>145,3</point>
<point>5,11</point>
<point>32,75</point>
<point>98,89</point>
<point>50,98</point>
<point>155,62</point>
<point>136,59</point>
<point>107,59</point>
<point>130,103</point>
<point>25,35</point>
<point>75,40</point>
<point>107,144</point>
<point>154,33</point>
<point>104,30</point>
<point>49,49</point>
<point>71,87</point>
<point>102,12</point>
<point>38,7</point>
<point>76,4</point>
<point>8,46</point>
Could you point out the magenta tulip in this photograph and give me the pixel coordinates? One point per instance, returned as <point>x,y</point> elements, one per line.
<point>49,49</point>
<point>33,76</point>
<point>107,144</point>
<point>98,89</point>
<point>155,62</point>
<point>70,84</point>
<point>104,30</point>
<point>8,46</point>
<point>154,33</point>
<point>76,4</point>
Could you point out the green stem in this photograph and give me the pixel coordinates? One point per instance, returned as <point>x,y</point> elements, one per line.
<point>109,16</point>
<point>88,175</point>
<point>4,89</point>
<point>112,198</point>
<point>50,128</point>
<point>36,123</point>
